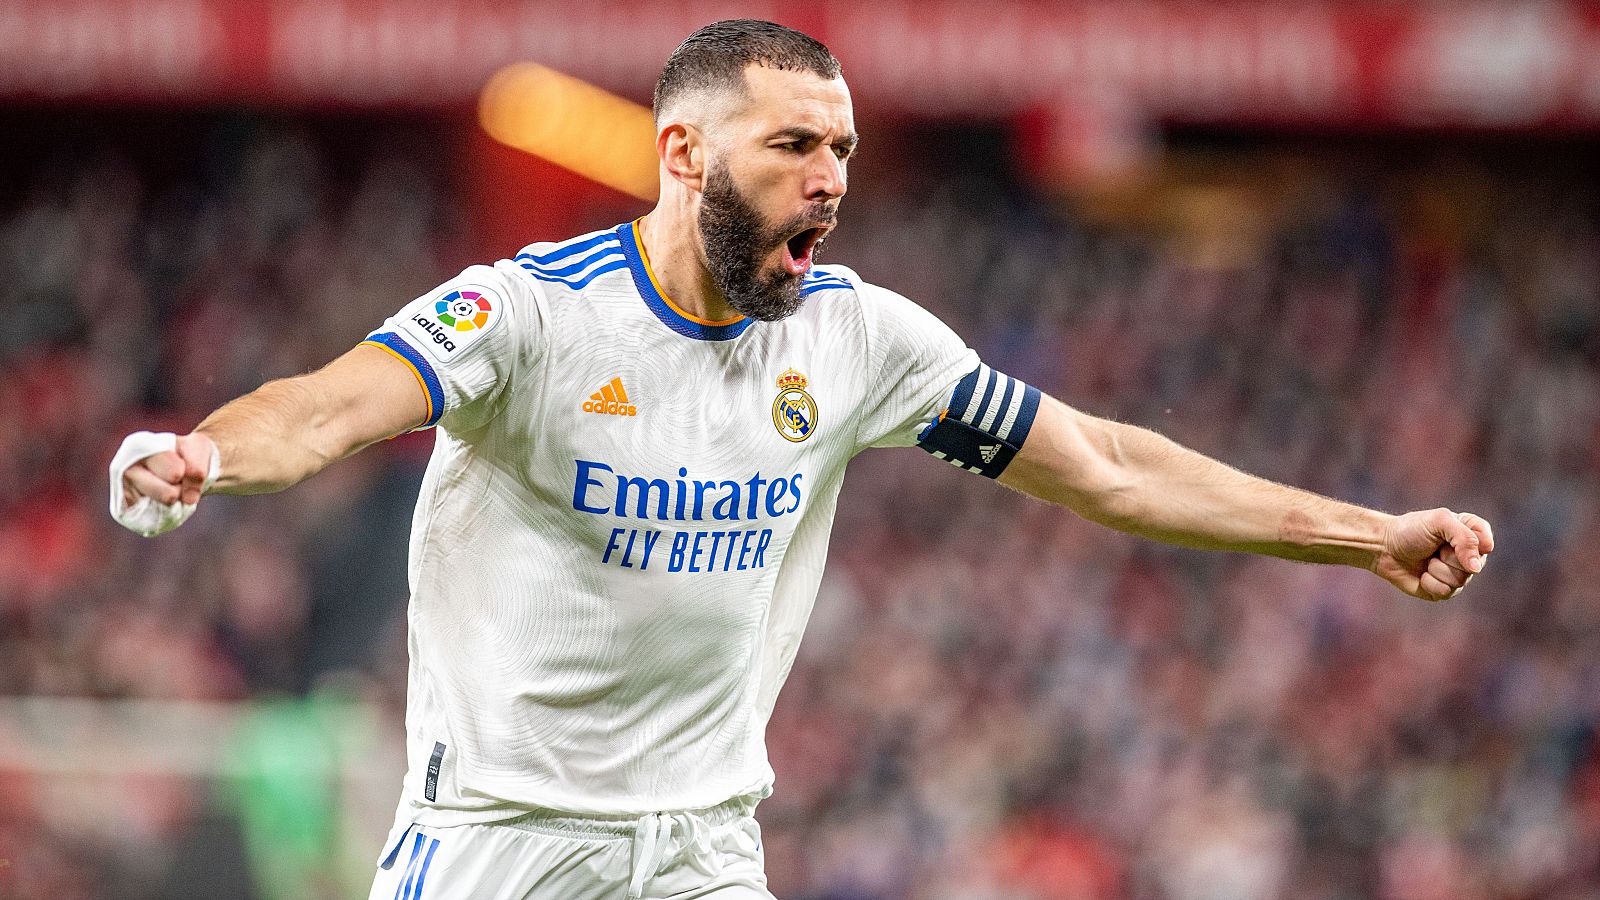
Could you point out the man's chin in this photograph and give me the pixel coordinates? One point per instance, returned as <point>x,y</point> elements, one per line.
<point>778,299</point>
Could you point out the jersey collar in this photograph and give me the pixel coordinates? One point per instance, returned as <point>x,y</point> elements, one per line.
<point>684,323</point>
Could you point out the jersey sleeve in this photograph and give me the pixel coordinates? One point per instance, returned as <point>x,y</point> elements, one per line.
<point>463,341</point>
<point>927,388</point>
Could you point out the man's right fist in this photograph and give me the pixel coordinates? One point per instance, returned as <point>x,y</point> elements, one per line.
<point>157,479</point>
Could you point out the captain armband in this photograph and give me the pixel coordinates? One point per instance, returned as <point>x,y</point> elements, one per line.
<point>989,416</point>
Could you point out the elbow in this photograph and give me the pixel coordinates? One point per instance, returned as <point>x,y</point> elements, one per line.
<point>1115,499</point>
<point>1087,464</point>
<point>1112,491</point>
<point>1094,487</point>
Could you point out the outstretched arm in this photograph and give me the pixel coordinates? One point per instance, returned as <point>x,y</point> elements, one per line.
<point>1137,481</point>
<point>287,430</point>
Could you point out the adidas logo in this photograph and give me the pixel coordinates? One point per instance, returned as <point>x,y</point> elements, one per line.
<point>611,400</point>
<point>989,452</point>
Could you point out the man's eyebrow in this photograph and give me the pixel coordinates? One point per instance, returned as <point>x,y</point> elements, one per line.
<point>796,133</point>
<point>803,133</point>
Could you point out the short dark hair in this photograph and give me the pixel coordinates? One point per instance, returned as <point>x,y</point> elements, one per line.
<point>716,57</point>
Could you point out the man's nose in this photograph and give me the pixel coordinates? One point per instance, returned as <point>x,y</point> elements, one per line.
<point>826,180</point>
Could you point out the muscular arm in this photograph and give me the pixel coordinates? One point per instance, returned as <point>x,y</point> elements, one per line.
<point>1137,481</point>
<point>288,430</point>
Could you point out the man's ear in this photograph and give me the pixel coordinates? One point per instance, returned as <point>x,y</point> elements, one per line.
<point>682,148</point>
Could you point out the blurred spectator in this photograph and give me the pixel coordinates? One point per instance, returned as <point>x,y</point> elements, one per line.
<point>996,700</point>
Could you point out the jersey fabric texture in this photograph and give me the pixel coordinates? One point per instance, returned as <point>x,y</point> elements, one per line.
<point>624,521</point>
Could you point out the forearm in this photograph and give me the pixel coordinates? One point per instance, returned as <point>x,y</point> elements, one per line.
<point>275,437</point>
<point>1138,481</point>
<point>1173,494</point>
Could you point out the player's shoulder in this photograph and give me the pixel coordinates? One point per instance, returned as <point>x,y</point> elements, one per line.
<point>521,289</point>
<point>833,292</point>
<point>836,282</point>
<point>572,264</point>
<point>840,300</point>
<point>871,302</point>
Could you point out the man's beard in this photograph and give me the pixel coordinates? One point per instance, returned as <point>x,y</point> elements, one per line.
<point>738,240</point>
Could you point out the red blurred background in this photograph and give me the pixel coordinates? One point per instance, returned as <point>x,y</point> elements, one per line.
<point>1354,247</point>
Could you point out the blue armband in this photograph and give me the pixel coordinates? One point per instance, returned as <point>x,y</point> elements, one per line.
<point>989,416</point>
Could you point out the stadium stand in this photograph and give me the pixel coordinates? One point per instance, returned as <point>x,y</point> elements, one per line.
<point>994,700</point>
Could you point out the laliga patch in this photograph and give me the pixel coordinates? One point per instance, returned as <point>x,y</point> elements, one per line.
<point>446,324</point>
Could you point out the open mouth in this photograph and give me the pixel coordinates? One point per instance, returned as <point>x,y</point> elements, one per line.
<point>799,249</point>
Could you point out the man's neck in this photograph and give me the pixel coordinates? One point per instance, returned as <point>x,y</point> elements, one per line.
<point>672,251</point>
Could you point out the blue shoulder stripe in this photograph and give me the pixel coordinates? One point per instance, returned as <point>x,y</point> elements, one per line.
<point>579,284</point>
<point>526,260</point>
<point>824,284</point>
<point>566,250</point>
<point>815,275</point>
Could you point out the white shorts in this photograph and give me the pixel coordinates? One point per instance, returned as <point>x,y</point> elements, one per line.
<point>714,853</point>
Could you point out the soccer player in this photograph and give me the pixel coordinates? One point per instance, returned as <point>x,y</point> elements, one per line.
<point>641,437</point>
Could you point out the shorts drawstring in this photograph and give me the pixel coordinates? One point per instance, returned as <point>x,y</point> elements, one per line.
<point>650,839</point>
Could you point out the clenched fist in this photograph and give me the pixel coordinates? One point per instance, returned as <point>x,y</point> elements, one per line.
<point>1433,553</point>
<point>157,479</point>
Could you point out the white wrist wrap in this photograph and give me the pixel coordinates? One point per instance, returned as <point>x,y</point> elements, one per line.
<point>146,516</point>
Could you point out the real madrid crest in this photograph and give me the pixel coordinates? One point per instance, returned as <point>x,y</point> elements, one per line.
<point>794,412</point>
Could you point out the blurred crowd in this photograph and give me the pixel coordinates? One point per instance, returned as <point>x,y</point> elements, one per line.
<point>995,700</point>
<point>141,302</point>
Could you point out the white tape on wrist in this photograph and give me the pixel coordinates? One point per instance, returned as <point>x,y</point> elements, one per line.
<point>146,516</point>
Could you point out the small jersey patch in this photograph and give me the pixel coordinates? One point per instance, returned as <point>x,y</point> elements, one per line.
<point>430,788</point>
<point>989,417</point>
<point>794,412</point>
<point>447,323</point>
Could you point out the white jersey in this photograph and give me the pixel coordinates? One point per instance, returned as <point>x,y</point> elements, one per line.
<point>624,522</point>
